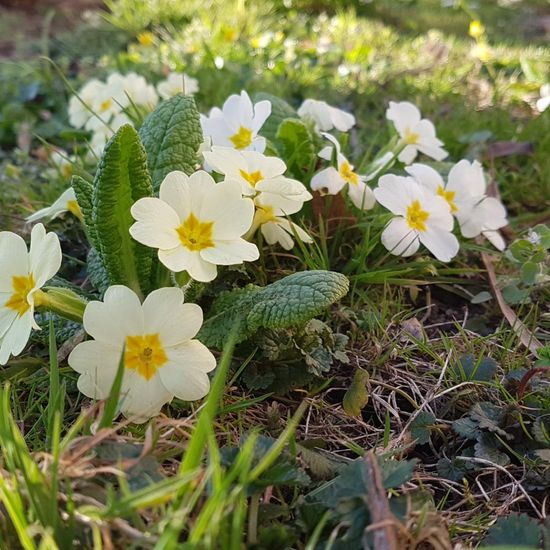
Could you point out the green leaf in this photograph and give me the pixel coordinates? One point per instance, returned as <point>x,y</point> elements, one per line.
<point>121,179</point>
<point>421,427</point>
<point>529,273</point>
<point>488,417</point>
<point>292,301</point>
<point>96,271</point>
<point>479,369</point>
<point>297,146</point>
<point>514,530</point>
<point>454,469</point>
<point>487,449</point>
<point>466,427</point>
<point>171,135</point>
<point>280,110</point>
<point>397,472</point>
<point>84,196</point>
<point>357,396</point>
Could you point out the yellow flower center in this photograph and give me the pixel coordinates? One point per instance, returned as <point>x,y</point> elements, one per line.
<point>146,39</point>
<point>242,139</point>
<point>416,217</point>
<point>252,177</point>
<point>73,208</point>
<point>22,286</point>
<point>67,170</point>
<point>195,235</point>
<point>264,214</point>
<point>449,196</point>
<point>347,174</point>
<point>476,29</point>
<point>144,354</point>
<point>105,105</point>
<point>410,138</point>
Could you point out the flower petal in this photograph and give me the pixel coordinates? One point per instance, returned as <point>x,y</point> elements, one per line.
<point>403,115</point>
<point>118,316</point>
<point>442,244</point>
<point>165,314</point>
<point>13,259</point>
<point>231,252</point>
<point>44,255</point>
<point>156,223</point>
<point>174,190</point>
<point>15,339</point>
<point>399,238</point>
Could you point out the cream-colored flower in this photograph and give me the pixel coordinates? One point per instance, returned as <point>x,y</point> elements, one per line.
<point>465,192</point>
<point>237,124</point>
<point>79,107</point>
<point>65,203</point>
<point>176,83</point>
<point>417,133</point>
<point>22,276</point>
<point>270,217</point>
<point>162,360</point>
<point>332,180</point>
<point>196,224</point>
<point>421,217</point>
<point>325,116</point>
<point>256,173</point>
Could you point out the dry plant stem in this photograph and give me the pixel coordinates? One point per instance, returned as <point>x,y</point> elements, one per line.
<point>383,521</point>
<point>526,337</point>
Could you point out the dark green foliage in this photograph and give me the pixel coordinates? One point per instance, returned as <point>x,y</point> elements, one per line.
<point>171,135</point>
<point>289,302</point>
<point>121,179</point>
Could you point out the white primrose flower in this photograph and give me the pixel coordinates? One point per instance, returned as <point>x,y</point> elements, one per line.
<point>421,217</point>
<point>65,203</point>
<point>176,83</point>
<point>325,116</point>
<point>196,224</point>
<point>270,217</point>
<point>162,360</point>
<point>63,164</point>
<point>238,122</point>
<point>256,173</point>
<point>417,133</point>
<point>22,275</point>
<point>544,101</point>
<point>132,88</point>
<point>332,180</point>
<point>79,109</point>
<point>465,192</point>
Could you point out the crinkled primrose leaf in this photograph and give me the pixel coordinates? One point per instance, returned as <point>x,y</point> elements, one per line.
<point>289,302</point>
<point>121,179</point>
<point>172,135</point>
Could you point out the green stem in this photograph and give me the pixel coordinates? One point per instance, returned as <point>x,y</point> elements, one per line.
<point>62,301</point>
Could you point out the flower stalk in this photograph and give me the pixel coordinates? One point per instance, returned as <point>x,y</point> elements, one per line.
<point>62,301</point>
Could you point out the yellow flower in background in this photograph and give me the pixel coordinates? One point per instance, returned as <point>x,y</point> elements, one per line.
<point>146,39</point>
<point>482,52</point>
<point>476,29</point>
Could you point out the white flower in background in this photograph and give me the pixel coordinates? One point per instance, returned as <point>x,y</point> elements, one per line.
<point>270,217</point>
<point>22,275</point>
<point>325,116</point>
<point>465,192</point>
<point>102,132</point>
<point>417,133</point>
<point>256,173</point>
<point>62,163</point>
<point>132,89</point>
<point>196,224</point>
<point>332,180</point>
<point>79,109</point>
<point>544,102</point>
<point>65,203</point>
<point>237,124</point>
<point>162,360</point>
<point>421,217</point>
<point>176,83</point>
